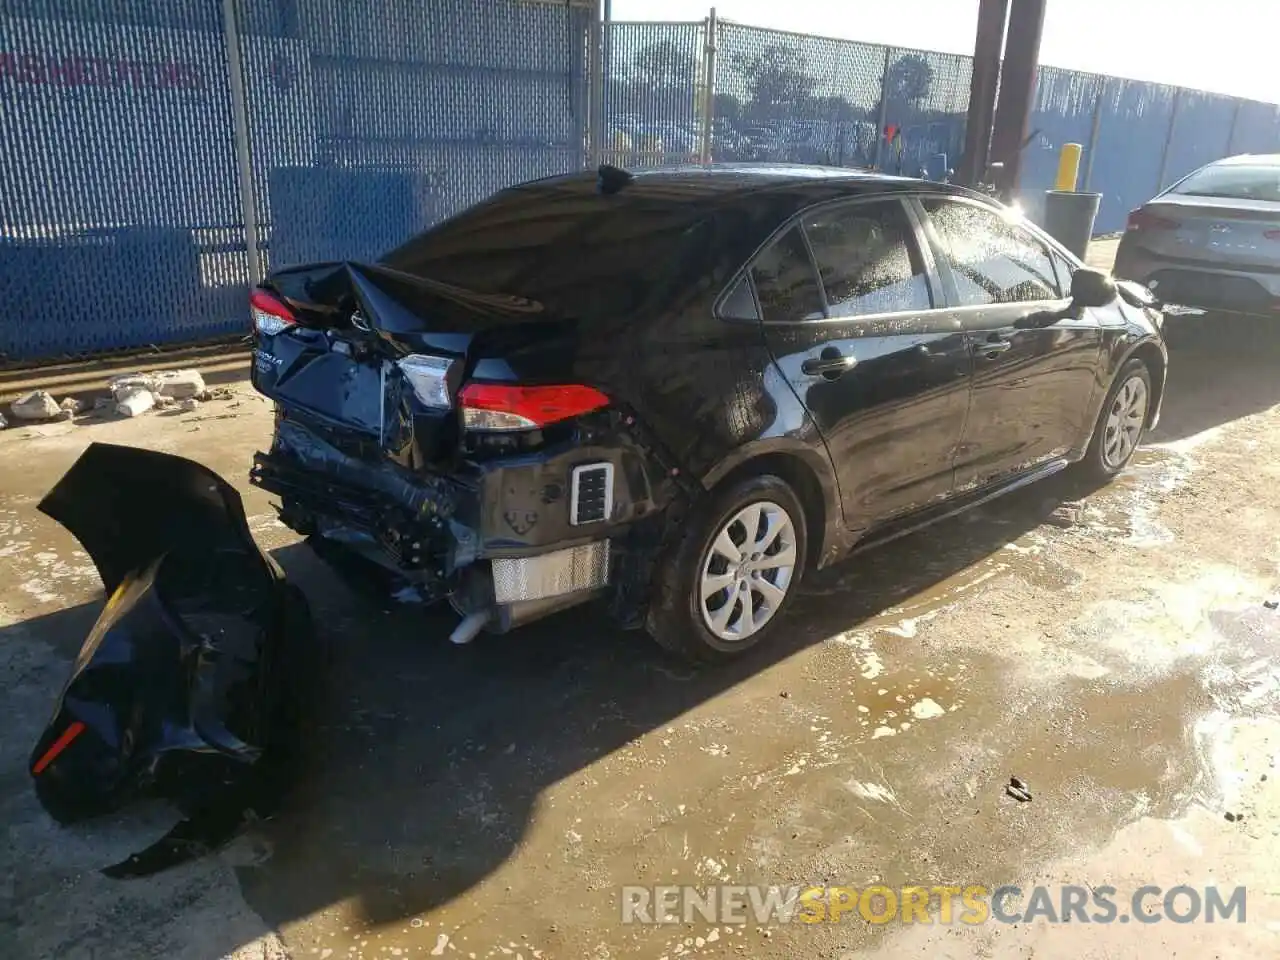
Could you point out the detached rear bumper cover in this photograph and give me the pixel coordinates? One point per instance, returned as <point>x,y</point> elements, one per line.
<point>188,684</point>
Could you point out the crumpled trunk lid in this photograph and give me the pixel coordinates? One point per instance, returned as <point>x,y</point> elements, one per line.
<point>348,364</point>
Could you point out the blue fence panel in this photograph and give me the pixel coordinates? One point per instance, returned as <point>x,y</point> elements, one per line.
<point>1131,138</point>
<point>1201,133</point>
<point>652,91</point>
<point>1063,113</point>
<point>362,137</point>
<point>1256,129</point>
<point>118,187</point>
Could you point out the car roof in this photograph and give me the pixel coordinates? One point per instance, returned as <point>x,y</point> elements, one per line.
<point>718,182</point>
<point>1250,159</point>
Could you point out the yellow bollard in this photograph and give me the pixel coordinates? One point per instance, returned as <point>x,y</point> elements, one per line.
<point>1068,167</point>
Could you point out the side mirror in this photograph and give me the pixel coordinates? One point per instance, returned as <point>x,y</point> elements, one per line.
<point>1092,288</point>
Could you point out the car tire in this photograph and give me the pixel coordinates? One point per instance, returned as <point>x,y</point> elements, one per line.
<point>1121,424</point>
<point>716,627</point>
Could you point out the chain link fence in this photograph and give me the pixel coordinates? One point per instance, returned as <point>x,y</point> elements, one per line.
<point>760,95</point>
<point>156,156</point>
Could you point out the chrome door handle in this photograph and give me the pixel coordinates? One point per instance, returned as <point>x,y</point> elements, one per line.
<point>991,348</point>
<point>830,364</point>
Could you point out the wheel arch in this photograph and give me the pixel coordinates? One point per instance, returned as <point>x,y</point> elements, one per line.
<point>1154,359</point>
<point>807,471</point>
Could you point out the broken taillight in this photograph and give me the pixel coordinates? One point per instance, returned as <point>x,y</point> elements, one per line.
<point>270,314</point>
<point>499,406</point>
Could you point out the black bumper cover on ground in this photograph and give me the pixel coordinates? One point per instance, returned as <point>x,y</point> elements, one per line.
<point>192,682</point>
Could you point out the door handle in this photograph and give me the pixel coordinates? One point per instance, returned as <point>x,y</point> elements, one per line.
<point>992,347</point>
<point>830,364</point>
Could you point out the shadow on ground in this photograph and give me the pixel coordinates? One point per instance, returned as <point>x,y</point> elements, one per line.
<point>1221,368</point>
<point>437,754</point>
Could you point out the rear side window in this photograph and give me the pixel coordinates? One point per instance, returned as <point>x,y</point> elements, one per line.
<point>992,260</point>
<point>867,258</point>
<point>1233,181</point>
<point>786,284</point>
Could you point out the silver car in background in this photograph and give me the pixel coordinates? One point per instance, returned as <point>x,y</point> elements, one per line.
<point>1212,240</point>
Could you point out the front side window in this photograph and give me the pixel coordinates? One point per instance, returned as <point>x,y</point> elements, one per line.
<point>867,259</point>
<point>992,260</point>
<point>1065,270</point>
<point>786,285</point>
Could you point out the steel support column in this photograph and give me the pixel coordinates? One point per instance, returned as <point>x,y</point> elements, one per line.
<point>1017,89</point>
<point>987,50</point>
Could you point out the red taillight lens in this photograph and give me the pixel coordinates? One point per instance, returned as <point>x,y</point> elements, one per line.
<point>1272,234</point>
<point>1146,220</point>
<point>74,729</point>
<point>269,312</point>
<point>497,406</point>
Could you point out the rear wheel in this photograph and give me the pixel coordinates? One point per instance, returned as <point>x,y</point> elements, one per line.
<point>728,580</point>
<point>1121,423</point>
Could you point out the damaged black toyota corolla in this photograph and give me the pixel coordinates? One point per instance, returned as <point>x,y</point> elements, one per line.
<point>676,390</point>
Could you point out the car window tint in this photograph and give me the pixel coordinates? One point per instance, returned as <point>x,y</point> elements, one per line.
<point>992,260</point>
<point>1233,181</point>
<point>785,282</point>
<point>867,259</point>
<point>1064,269</point>
<point>739,304</point>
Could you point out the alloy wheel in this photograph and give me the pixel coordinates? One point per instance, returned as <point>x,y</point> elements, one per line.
<point>1125,422</point>
<point>747,571</point>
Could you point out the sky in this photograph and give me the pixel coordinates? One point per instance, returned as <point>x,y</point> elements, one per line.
<point>1227,46</point>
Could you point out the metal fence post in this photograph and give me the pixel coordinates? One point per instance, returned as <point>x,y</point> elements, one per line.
<point>595,98</point>
<point>1231,134</point>
<point>883,120</point>
<point>1168,138</point>
<point>240,125</point>
<point>709,79</point>
<point>1094,130</point>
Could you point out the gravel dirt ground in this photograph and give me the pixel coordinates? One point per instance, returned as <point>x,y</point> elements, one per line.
<point>491,800</point>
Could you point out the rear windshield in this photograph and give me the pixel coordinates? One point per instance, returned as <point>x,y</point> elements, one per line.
<point>563,244</point>
<point>1234,182</point>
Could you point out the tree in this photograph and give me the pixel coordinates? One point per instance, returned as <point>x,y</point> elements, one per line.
<point>908,80</point>
<point>836,110</point>
<point>727,108</point>
<point>777,81</point>
<point>664,65</point>
<point>661,84</point>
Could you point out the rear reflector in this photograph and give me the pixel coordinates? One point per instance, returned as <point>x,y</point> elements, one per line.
<point>270,314</point>
<point>1141,219</point>
<point>73,730</point>
<point>497,406</point>
<point>1272,234</point>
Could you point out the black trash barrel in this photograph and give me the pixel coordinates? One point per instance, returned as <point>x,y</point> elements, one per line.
<point>1069,216</point>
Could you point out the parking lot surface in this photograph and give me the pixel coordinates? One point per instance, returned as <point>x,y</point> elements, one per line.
<point>493,800</point>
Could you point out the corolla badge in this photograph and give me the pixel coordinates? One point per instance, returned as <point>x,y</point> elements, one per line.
<point>266,362</point>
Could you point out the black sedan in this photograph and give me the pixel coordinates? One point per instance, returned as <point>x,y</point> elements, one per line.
<point>677,390</point>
